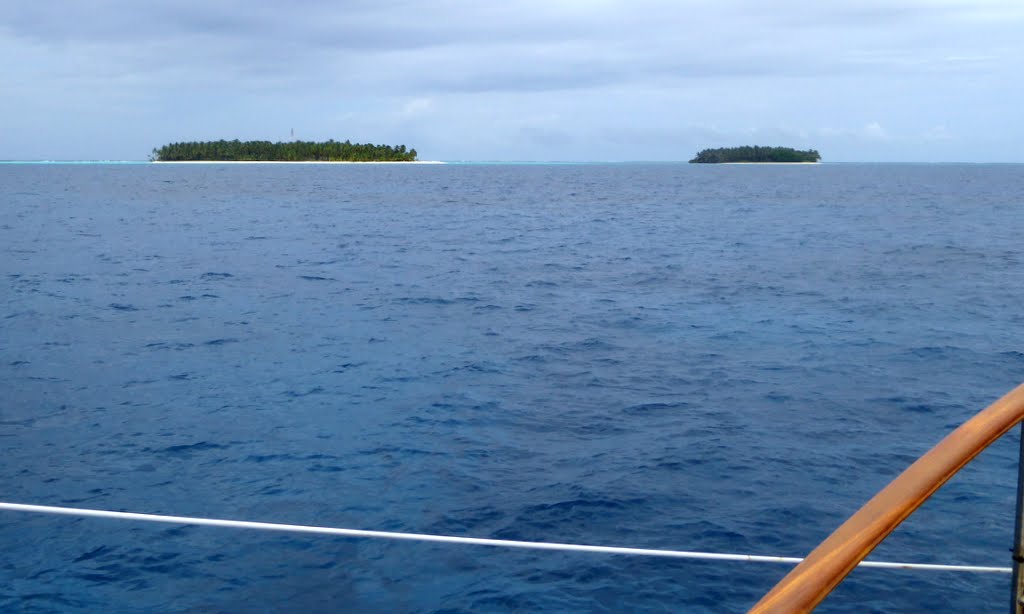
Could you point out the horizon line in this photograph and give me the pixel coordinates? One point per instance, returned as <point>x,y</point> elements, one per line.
<point>485,161</point>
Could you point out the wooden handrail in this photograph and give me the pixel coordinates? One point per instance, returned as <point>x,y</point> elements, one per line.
<point>825,567</point>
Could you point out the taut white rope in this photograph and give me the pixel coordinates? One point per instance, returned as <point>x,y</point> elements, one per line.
<point>451,539</point>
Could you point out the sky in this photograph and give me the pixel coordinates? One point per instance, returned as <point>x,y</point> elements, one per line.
<point>630,80</point>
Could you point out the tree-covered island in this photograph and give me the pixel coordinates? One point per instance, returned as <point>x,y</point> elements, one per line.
<point>755,154</point>
<point>292,151</point>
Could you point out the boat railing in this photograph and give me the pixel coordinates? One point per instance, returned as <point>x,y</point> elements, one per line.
<point>810,581</point>
<point>829,563</point>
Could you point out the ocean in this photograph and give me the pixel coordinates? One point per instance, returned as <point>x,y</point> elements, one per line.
<point>712,358</point>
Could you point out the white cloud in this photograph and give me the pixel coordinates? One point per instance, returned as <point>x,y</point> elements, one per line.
<point>874,130</point>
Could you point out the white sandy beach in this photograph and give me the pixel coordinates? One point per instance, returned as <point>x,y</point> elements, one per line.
<point>292,162</point>
<point>769,163</point>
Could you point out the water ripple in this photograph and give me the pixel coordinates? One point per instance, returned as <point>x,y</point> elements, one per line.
<point>638,355</point>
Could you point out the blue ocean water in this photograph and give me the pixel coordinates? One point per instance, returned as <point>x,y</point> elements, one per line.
<point>715,358</point>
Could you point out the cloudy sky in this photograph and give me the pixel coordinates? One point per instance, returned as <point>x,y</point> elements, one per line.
<point>864,80</point>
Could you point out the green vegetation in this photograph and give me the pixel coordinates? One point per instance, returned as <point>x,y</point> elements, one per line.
<point>292,151</point>
<point>755,154</point>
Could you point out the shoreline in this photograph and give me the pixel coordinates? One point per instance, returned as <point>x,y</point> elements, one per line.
<point>296,162</point>
<point>768,163</point>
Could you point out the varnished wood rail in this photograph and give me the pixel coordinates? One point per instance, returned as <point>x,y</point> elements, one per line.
<point>826,566</point>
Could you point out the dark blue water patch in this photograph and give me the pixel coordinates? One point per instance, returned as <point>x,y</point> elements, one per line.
<point>433,301</point>
<point>220,341</point>
<point>317,467</point>
<point>101,550</point>
<point>296,394</point>
<point>346,367</point>
<point>647,409</point>
<point>316,278</point>
<point>163,345</point>
<point>200,446</point>
<point>725,359</point>
<point>473,367</point>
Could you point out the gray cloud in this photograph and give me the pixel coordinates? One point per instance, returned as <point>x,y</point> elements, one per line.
<point>235,67</point>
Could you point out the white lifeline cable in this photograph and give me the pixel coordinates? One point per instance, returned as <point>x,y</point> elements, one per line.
<point>478,541</point>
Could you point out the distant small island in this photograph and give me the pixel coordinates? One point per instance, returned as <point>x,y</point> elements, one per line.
<point>756,155</point>
<point>292,151</point>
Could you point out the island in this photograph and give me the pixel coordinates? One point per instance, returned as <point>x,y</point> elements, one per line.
<point>291,151</point>
<point>756,155</point>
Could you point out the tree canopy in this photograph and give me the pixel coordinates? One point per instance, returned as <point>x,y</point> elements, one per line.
<point>755,154</point>
<point>292,151</point>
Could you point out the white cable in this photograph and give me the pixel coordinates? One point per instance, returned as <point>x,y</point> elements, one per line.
<point>478,541</point>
